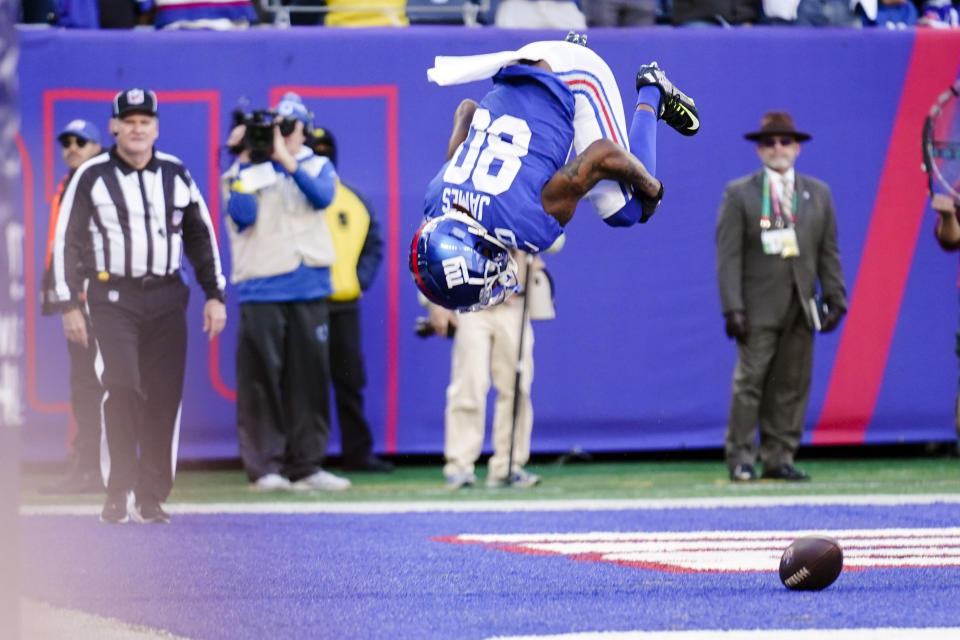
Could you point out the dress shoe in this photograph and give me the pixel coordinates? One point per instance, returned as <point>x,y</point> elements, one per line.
<point>371,464</point>
<point>742,473</point>
<point>785,472</point>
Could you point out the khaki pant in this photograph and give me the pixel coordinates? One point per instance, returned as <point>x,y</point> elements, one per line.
<point>485,348</point>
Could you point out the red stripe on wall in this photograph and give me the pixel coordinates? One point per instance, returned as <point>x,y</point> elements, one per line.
<point>888,251</point>
<point>32,286</point>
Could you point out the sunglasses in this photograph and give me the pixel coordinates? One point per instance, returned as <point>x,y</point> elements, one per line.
<point>66,141</point>
<point>773,140</point>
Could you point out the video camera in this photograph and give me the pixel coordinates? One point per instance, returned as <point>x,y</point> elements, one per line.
<point>258,137</point>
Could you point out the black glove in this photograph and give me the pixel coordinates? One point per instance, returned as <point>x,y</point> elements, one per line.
<point>648,205</point>
<point>736,326</point>
<point>831,319</point>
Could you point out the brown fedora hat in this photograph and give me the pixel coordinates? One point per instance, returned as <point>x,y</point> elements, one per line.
<point>777,123</point>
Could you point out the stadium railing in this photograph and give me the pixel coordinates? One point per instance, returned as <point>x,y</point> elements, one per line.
<point>418,11</point>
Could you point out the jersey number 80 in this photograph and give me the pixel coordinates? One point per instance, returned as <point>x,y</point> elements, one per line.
<point>476,164</point>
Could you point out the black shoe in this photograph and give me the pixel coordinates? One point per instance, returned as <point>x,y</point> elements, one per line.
<point>148,512</point>
<point>742,473</point>
<point>371,464</point>
<point>785,472</point>
<point>76,483</point>
<point>115,510</point>
<point>676,108</point>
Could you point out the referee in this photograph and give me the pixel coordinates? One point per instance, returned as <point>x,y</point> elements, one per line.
<point>126,217</point>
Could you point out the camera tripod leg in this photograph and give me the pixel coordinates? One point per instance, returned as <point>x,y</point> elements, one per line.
<point>519,369</point>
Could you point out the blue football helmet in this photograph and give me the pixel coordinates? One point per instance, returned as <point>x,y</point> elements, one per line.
<point>459,265</point>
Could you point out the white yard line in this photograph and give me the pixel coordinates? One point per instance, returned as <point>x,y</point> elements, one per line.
<point>373,508</point>
<point>757,634</point>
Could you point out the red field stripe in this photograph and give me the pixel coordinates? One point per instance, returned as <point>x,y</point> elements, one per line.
<point>891,239</point>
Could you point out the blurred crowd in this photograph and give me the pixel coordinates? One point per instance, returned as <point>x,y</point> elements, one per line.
<point>574,14</point>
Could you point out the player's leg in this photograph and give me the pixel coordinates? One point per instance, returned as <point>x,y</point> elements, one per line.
<point>598,109</point>
<point>599,115</point>
<point>643,128</point>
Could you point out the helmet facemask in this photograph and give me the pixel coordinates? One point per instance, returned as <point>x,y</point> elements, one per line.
<point>459,265</point>
<point>500,281</point>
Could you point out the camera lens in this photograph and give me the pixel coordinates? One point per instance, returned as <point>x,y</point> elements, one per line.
<point>287,126</point>
<point>258,139</point>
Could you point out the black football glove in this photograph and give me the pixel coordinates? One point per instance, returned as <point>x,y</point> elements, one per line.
<point>648,205</point>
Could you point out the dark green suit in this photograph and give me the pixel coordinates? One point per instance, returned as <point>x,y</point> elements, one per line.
<point>771,381</point>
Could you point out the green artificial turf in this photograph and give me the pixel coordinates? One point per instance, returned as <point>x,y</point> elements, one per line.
<point>578,480</point>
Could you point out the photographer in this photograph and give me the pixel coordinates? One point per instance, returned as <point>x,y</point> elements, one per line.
<point>282,251</point>
<point>486,345</point>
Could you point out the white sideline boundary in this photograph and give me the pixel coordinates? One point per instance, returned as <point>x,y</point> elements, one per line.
<point>43,621</point>
<point>498,506</point>
<point>885,633</point>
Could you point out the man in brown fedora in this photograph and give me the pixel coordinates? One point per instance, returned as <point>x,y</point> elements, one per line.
<point>776,237</point>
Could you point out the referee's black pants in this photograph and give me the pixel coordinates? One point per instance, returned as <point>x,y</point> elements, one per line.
<point>349,379</point>
<point>283,371</point>
<point>141,332</point>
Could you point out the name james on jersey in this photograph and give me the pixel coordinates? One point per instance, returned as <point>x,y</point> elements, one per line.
<point>469,200</point>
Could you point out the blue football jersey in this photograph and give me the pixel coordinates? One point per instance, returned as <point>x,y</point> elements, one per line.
<point>520,136</point>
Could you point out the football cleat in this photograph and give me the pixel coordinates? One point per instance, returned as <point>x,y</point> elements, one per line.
<point>676,108</point>
<point>577,38</point>
<point>457,264</point>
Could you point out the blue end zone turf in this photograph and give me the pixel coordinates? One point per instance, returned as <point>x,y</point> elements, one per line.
<point>398,576</point>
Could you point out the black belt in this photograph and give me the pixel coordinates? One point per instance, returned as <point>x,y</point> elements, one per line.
<point>145,282</point>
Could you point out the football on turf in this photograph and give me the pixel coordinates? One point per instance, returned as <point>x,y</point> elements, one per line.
<point>811,563</point>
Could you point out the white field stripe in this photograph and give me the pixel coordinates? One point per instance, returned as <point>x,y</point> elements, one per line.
<point>734,550</point>
<point>665,536</point>
<point>499,506</point>
<point>884,633</point>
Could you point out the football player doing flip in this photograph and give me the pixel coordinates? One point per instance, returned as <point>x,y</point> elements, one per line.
<point>507,182</point>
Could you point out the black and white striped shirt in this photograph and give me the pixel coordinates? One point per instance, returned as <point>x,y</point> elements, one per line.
<point>133,223</point>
